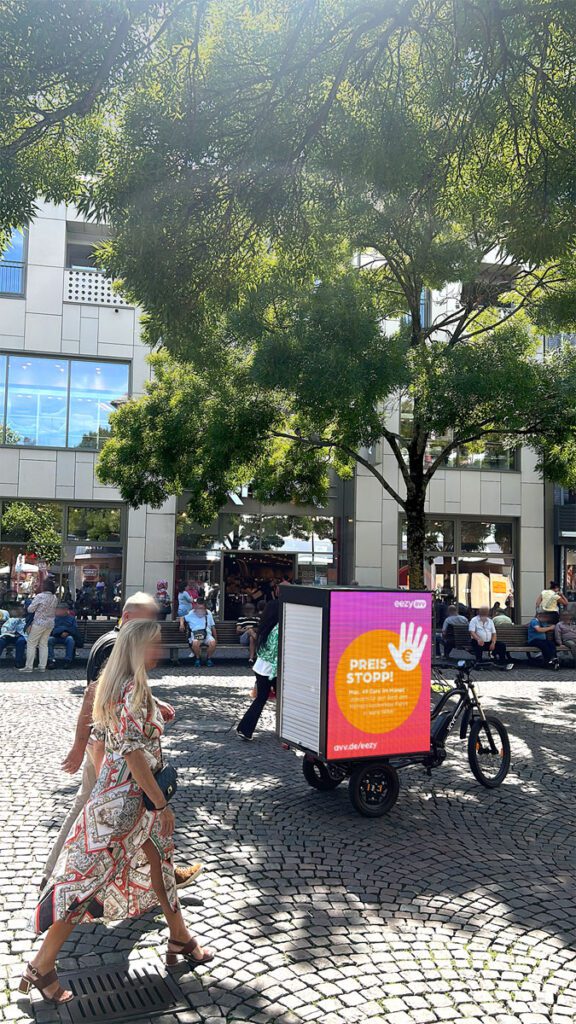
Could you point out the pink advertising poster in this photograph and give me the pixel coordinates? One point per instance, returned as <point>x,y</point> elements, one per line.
<point>379,674</point>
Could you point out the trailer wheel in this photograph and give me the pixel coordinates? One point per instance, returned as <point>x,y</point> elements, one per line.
<point>373,789</point>
<point>319,776</point>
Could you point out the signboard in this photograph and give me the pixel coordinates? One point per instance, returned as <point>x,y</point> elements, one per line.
<point>90,572</point>
<point>378,674</point>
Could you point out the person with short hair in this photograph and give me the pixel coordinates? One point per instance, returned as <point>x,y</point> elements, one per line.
<point>502,618</point>
<point>565,634</point>
<point>43,607</point>
<point>483,637</point>
<point>13,633</point>
<point>246,627</point>
<point>452,619</point>
<point>202,628</point>
<point>540,635</point>
<point>66,634</point>
<point>117,862</point>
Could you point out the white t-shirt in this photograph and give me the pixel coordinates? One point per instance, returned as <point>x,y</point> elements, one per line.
<point>484,628</point>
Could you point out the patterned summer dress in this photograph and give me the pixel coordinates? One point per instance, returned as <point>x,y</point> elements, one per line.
<point>102,872</point>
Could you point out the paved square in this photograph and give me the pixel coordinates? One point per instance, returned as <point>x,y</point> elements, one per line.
<point>458,906</point>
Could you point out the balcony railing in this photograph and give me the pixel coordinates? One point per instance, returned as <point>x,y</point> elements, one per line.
<point>91,287</point>
<point>11,278</point>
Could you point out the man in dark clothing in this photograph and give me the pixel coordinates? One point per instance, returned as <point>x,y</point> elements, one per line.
<point>65,633</point>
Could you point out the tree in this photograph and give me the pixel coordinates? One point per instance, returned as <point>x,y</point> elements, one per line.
<point>434,137</point>
<point>64,62</point>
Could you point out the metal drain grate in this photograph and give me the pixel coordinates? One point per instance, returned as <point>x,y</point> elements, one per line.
<point>118,994</point>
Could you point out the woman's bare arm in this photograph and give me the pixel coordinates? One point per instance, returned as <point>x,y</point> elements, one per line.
<point>75,755</point>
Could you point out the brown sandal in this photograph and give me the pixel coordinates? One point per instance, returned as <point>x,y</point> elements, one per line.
<point>185,950</point>
<point>32,977</point>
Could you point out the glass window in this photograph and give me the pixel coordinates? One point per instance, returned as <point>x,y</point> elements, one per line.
<point>96,389</point>
<point>3,366</point>
<point>12,265</point>
<point>92,576</point>
<point>480,536</point>
<point>439,535</point>
<point>37,400</point>
<point>95,524</point>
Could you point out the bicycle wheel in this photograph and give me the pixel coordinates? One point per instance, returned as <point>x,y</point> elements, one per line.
<point>319,776</point>
<point>373,789</point>
<point>489,751</point>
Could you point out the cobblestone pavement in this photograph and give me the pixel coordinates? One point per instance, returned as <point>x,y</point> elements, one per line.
<point>460,904</point>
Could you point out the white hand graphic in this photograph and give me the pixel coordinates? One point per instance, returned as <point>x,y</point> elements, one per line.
<point>410,649</point>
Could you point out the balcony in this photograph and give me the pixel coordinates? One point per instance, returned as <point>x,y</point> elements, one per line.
<point>11,278</point>
<point>91,287</point>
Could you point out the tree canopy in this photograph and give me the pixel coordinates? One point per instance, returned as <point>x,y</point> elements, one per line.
<point>268,147</point>
<point>65,66</point>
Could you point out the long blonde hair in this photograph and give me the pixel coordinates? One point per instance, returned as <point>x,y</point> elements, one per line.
<point>125,664</point>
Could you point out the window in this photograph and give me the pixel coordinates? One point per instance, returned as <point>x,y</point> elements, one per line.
<point>36,401</point>
<point>95,390</point>
<point>59,403</point>
<point>101,524</point>
<point>12,265</point>
<point>79,546</point>
<point>479,536</point>
<point>467,561</point>
<point>484,455</point>
<point>80,256</point>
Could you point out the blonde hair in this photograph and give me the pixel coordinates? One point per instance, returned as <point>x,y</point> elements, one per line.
<point>125,664</point>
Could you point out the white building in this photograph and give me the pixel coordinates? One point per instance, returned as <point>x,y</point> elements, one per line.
<point>486,518</point>
<point>70,350</point>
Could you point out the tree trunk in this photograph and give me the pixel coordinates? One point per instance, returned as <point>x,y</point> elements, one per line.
<point>416,524</point>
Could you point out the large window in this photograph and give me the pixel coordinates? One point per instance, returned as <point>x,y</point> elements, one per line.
<point>59,403</point>
<point>12,264</point>
<point>79,546</point>
<point>486,455</point>
<point>467,561</point>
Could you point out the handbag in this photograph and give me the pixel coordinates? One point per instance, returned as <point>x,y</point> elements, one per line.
<point>167,778</point>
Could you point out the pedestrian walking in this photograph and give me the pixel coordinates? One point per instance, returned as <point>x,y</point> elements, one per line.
<point>117,861</point>
<point>540,632</point>
<point>87,750</point>
<point>265,668</point>
<point>43,606</point>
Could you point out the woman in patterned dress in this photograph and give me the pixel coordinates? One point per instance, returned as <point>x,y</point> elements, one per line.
<point>117,860</point>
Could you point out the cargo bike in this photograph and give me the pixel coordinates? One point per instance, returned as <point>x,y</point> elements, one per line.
<point>355,694</point>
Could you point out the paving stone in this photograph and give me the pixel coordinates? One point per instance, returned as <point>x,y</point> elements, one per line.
<point>459,906</point>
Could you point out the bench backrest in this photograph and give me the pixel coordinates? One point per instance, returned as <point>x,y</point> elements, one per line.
<point>513,636</point>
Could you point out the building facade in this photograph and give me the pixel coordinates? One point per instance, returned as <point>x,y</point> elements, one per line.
<point>70,352</point>
<point>486,517</point>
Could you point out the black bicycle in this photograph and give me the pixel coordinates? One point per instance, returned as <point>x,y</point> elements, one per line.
<point>373,785</point>
<point>488,742</point>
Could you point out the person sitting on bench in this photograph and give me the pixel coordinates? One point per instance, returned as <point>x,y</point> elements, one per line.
<point>541,635</point>
<point>483,637</point>
<point>66,634</point>
<point>13,633</point>
<point>452,619</point>
<point>202,632</point>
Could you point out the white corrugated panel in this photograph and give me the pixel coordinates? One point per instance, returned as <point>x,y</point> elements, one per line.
<point>301,675</point>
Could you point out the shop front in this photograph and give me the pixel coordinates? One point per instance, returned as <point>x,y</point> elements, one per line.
<point>80,547</point>
<point>244,558</point>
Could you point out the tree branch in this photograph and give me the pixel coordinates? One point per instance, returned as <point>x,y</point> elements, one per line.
<point>319,443</point>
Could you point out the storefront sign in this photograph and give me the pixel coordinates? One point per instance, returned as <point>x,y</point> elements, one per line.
<point>379,674</point>
<point>90,572</point>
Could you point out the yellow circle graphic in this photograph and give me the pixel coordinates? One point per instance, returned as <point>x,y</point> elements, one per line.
<point>373,693</point>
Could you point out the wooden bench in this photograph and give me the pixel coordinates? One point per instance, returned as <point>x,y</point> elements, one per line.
<point>515,638</point>
<point>228,644</point>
